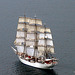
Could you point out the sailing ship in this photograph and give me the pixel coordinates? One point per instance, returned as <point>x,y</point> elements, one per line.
<point>34,43</point>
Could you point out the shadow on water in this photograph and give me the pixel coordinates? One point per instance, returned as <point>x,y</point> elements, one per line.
<point>22,69</point>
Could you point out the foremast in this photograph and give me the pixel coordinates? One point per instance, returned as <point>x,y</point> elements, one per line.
<point>49,48</point>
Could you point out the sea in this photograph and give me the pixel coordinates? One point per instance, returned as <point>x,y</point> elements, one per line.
<point>58,15</point>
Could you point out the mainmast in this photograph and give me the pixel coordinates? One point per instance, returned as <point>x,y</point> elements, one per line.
<point>25,50</point>
<point>36,41</point>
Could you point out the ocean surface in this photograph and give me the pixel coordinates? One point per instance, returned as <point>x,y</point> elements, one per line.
<point>59,15</point>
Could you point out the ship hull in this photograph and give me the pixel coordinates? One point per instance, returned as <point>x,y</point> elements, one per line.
<point>36,64</point>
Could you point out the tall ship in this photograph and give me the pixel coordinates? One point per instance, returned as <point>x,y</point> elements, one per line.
<point>34,44</point>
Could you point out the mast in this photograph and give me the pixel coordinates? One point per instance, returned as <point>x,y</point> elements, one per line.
<point>25,51</point>
<point>20,37</point>
<point>36,41</point>
<point>50,45</point>
<point>45,41</point>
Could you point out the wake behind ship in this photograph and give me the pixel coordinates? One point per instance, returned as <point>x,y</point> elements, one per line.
<point>34,44</point>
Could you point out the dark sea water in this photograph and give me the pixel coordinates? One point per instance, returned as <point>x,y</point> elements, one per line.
<point>59,15</point>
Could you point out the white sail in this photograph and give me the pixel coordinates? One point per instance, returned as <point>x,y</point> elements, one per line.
<point>31,28</point>
<point>41,51</point>
<point>50,42</point>
<point>40,29</point>
<point>32,21</point>
<point>35,21</point>
<point>52,50</point>
<point>30,43</point>
<point>49,49</point>
<point>30,36</point>
<point>19,41</point>
<point>41,48</point>
<point>47,30</point>
<point>30,51</point>
<point>24,19</point>
<point>41,35</point>
<point>20,49</point>
<point>48,35</point>
<point>38,21</point>
<point>21,26</point>
<point>20,34</point>
<point>41,42</point>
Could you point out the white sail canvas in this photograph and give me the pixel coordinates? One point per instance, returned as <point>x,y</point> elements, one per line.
<point>20,40</point>
<point>47,30</point>
<point>41,51</point>
<point>48,35</point>
<point>41,36</point>
<point>24,19</point>
<point>52,50</point>
<point>40,29</point>
<point>30,51</point>
<point>50,42</point>
<point>32,21</point>
<point>35,21</point>
<point>30,36</point>
<point>20,34</point>
<point>41,42</point>
<point>30,43</point>
<point>38,21</point>
<point>21,26</point>
<point>31,28</point>
<point>20,49</point>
